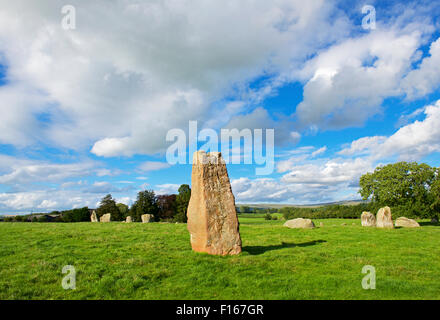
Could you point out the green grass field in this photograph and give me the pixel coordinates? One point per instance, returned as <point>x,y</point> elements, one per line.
<point>155,261</point>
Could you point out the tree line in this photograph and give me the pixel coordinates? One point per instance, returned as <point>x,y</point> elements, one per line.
<point>170,207</point>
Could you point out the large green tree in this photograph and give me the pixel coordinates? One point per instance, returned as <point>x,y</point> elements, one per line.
<point>167,206</point>
<point>123,209</point>
<point>404,185</point>
<point>146,203</point>
<point>108,205</point>
<point>182,201</point>
<point>132,212</point>
<point>435,198</point>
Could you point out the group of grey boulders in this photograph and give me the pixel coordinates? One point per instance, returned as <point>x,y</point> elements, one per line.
<point>384,219</point>
<point>146,218</point>
<point>104,218</point>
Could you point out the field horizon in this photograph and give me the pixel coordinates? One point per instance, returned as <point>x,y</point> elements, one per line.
<point>257,205</point>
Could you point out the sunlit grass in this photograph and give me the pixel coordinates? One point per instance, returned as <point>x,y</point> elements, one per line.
<point>155,261</point>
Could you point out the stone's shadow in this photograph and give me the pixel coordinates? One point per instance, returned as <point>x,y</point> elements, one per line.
<point>434,224</point>
<point>257,250</point>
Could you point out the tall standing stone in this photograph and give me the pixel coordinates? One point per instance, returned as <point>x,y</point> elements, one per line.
<point>94,217</point>
<point>128,219</point>
<point>147,218</point>
<point>212,217</point>
<point>384,218</point>
<point>106,217</point>
<point>368,219</point>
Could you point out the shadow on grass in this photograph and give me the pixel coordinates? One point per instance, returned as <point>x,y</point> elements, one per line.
<point>428,223</point>
<point>256,250</point>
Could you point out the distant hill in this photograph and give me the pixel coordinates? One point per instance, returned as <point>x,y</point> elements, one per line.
<point>317,205</point>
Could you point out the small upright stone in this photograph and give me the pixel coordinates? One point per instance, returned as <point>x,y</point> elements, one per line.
<point>368,219</point>
<point>212,217</point>
<point>128,219</point>
<point>94,217</point>
<point>406,223</point>
<point>106,218</point>
<point>147,218</point>
<point>384,218</point>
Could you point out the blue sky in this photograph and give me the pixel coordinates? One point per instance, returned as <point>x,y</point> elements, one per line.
<point>85,112</point>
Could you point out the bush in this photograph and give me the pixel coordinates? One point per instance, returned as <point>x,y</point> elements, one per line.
<point>20,219</point>
<point>123,210</point>
<point>327,212</point>
<point>76,215</point>
<point>42,219</point>
<point>182,202</point>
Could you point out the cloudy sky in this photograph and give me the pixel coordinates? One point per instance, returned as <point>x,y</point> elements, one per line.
<point>86,112</point>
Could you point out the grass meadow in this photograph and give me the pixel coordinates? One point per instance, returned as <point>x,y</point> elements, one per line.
<point>155,261</point>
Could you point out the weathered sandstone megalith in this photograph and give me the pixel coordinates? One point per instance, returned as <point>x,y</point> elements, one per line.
<point>300,223</point>
<point>368,219</point>
<point>147,218</point>
<point>106,217</point>
<point>212,217</point>
<point>384,218</point>
<point>128,219</point>
<point>94,217</point>
<point>406,223</point>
